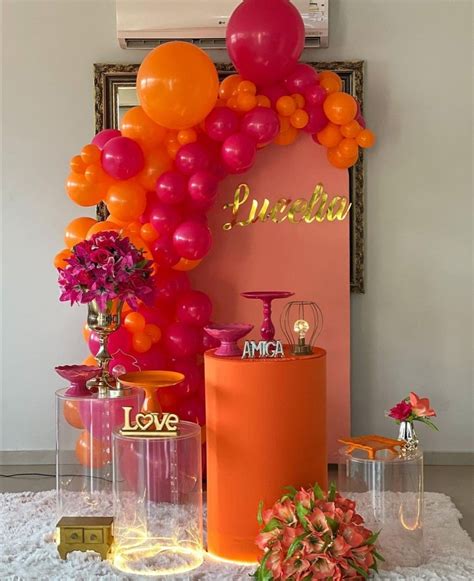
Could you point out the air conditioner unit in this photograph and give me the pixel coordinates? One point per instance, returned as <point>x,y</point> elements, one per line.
<point>144,24</point>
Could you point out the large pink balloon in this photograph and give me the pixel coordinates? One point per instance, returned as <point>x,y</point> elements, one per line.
<point>122,158</point>
<point>104,136</point>
<point>164,252</point>
<point>193,410</point>
<point>301,76</point>
<point>182,340</point>
<point>192,240</point>
<point>164,217</point>
<point>193,377</point>
<point>273,91</point>
<point>193,307</point>
<point>238,152</point>
<point>171,187</point>
<point>317,119</point>
<point>192,157</point>
<point>265,39</point>
<point>119,340</point>
<point>168,283</point>
<point>202,188</point>
<point>155,358</point>
<point>262,124</point>
<point>314,95</point>
<point>221,122</point>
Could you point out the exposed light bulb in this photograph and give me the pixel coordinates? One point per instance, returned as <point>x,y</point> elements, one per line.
<point>301,327</point>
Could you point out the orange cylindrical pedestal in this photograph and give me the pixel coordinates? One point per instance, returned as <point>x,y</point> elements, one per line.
<point>266,429</point>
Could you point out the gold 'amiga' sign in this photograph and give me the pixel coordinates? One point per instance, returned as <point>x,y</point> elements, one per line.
<point>321,206</point>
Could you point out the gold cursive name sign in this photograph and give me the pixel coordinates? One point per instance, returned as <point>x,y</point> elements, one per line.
<point>150,425</point>
<point>317,209</point>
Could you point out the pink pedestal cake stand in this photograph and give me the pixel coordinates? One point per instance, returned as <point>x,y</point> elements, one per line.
<point>267,330</point>
<point>228,334</point>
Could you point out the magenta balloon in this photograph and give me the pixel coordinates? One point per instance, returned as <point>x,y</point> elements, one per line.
<point>157,316</point>
<point>192,240</point>
<point>122,158</point>
<point>314,95</point>
<point>164,217</point>
<point>193,410</point>
<point>317,119</point>
<point>163,251</point>
<point>193,307</point>
<point>262,124</point>
<point>104,136</point>
<point>273,92</point>
<point>168,284</point>
<point>238,152</point>
<point>191,158</point>
<point>193,376</point>
<point>119,340</point>
<point>154,358</point>
<point>301,76</point>
<point>265,39</point>
<point>171,187</point>
<point>202,187</point>
<point>181,340</point>
<point>359,117</point>
<point>221,122</point>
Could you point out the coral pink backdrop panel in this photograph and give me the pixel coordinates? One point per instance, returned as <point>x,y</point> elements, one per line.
<point>310,259</point>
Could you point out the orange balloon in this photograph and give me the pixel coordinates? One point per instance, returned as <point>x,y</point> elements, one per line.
<point>157,162</point>
<point>76,231</point>
<point>90,451</point>
<point>141,342</point>
<point>229,86</point>
<point>233,104</point>
<point>287,137</point>
<point>77,165</point>
<point>72,415</point>
<point>263,101</point>
<point>299,119</point>
<point>141,245</point>
<point>86,332</point>
<point>90,154</point>
<point>247,87</point>
<point>330,136</point>
<point>186,136</point>
<point>337,160</point>
<point>126,200</point>
<point>134,322</point>
<point>330,81</point>
<point>94,174</point>
<point>61,257</point>
<point>82,192</point>
<point>351,129</point>
<point>184,264</point>
<point>246,101</point>
<point>90,360</point>
<point>104,226</point>
<point>285,123</point>
<point>138,126</point>
<point>148,233</point>
<point>299,100</point>
<point>348,147</point>
<point>153,331</point>
<point>133,229</point>
<point>285,106</point>
<point>340,108</point>
<point>177,85</point>
<point>366,138</point>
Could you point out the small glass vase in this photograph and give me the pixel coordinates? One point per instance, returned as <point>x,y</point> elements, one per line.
<point>408,435</point>
<point>103,321</point>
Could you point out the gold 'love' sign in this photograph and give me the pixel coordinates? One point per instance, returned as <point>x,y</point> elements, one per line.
<point>318,208</point>
<point>149,425</point>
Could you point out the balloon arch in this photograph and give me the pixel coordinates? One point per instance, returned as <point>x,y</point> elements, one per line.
<point>159,174</point>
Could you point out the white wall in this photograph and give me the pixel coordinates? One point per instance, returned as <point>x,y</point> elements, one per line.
<point>412,328</point>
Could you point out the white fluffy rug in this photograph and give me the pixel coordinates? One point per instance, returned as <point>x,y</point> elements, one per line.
<point>27,549</point>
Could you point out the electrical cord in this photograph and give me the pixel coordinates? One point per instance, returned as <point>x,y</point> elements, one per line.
<point>51,475</point>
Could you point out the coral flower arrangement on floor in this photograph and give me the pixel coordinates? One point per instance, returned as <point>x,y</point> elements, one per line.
<point>308,535</point>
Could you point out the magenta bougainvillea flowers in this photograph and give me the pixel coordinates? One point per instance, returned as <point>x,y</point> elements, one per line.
<point>413,408</point>
<point>104,268</point>
<point>308,535</point>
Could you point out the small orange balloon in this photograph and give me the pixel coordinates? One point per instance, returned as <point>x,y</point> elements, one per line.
<point>90,451</point>
<point>72,415</point>
<point>351,129</point>
<point>348,147</point>
<point>141,245</point>
<point>157,162</point>
<point>133,228</point>
<point>287,137</point>
<point>337,160</point>
<point>90,154</point>
<point>138,126</point>
<point>233,104</point>
<point>153,331</point>
<point>90,360</point>
<point>263,101</point>
<point>148,233</point>
<point>299,119</point>
<point>126,200</point>
<point>61,257</point>
<point>172,149</point>
<point>82,192</point>
<point>366,138</point>
<point>184,264</point>
<point>285,106</point>
<point>77,165</point>
<point>247,87</point>
<point>186,136</point>
<point>134,322</point>
<point>299,100</point>
<point>104,226</point>
<point>330,81</point>
<point>141,342</point>
<point>285,123</point>
<point>86,332</point>
<point>340,108</point>
<point>246,101</point>
<point>229,86</point>
<point>94,174</point>
<point>219,103</point>
<point>330,136</point>
<point>76,231</point>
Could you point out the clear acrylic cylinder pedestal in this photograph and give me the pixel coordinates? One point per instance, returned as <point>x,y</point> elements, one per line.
<point>84,426</point>
<point>158,502</point>
<point>388,491</point>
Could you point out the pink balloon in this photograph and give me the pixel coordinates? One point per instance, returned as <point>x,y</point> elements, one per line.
<point>156,316</point>
<point>301,76</point>
<point>164,217</point>
<point>155,358</point>
<point>119,340</point>
<point>221,122</point>
<point>193,377</point>
<point>238,152</point>
<point>359,117</point>
<point>191,158</point>
<point>265,39</point>
<point>273,92</point>
<point>202,187</point>
<point>163,252</point>
<point>104,136</point>
<point>101,416</point>
<point>192,240</point>
<point>314,95</point>
<point>262,124</point>
<point>122,158</point>
<point>168,283</point>
<point>171,187</point>
<point>193,410</point>
<point>181,340</point>
<point>317,119</point>
<point>193,307</point>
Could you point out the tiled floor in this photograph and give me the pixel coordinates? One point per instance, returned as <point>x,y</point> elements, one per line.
<point>455,481</point>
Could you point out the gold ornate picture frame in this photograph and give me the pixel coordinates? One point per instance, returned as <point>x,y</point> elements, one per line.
<point>110,79</point>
